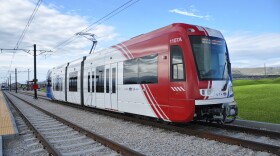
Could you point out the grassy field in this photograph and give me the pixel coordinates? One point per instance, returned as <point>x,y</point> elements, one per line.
<point>258,100</point>
<point>43,89</point>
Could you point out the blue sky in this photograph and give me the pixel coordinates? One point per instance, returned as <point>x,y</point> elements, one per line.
<point>259,16</point>
<point>251,28</point>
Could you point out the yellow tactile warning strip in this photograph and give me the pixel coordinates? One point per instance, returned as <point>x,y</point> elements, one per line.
<point>6,124</point>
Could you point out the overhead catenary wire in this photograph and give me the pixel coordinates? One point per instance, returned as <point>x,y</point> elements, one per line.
<point>98,22</point>
<point>28,23</point>
<point>25,30</point>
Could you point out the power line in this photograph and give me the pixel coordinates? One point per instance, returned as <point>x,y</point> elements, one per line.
<point>98,22</point>
<point>28,23</point>
<point>104,17</point>
<point>25,30</point>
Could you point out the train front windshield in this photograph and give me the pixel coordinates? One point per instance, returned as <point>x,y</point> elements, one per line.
<point>211,57</point>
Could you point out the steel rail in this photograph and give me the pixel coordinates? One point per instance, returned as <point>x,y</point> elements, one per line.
<point>255,131</point>
<point>107,142</point>
<point>186,130</point>
<point>51,150</point>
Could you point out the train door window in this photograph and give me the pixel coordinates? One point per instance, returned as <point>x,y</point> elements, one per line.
<point>88,81</point>
<point>113,80</point>
<point>73,81</point>
<point>107,80</point>
<point>148,69</point>
<point>57,84</point>
<point>177,64</point>
<point>100,79</point>
<point>49,83</point>
<point>60,84</point>
<point>92,81</point>
<point>130,72</point>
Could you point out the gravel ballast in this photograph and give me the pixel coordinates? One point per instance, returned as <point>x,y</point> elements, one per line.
<point>37,117</point>
<point>144,139</point>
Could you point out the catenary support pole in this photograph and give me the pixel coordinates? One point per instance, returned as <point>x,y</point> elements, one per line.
<point>35,75</point>
<point>28,86</point>
<point>28,74</point>
<point>16,78</point>
<point>10,82</point>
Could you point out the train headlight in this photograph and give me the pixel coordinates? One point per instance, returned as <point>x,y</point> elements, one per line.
<point>205,92</point>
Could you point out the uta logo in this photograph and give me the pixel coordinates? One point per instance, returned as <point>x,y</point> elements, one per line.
<point>175,40</point>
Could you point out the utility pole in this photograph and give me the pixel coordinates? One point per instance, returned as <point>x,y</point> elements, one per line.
<point>27,84</point>
<point>28,74</point>
<point>10,82</point>
<point>35,75</point>
<point>28,51</point>
<point>16,78</point>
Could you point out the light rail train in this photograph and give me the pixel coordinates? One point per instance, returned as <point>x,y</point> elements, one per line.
<point>178,73</point>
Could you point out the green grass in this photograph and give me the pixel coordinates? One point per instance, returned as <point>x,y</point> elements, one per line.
<point>258,100</point>
<point>255,82</point>
<point>43,89</point>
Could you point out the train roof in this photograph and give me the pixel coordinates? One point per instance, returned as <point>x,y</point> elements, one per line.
<point>164,30</point>
<point>173,28</point>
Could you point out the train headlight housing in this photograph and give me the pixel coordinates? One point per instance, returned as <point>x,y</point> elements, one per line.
<point>205,92</point>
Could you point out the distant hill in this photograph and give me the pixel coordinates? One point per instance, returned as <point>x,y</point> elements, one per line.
<point>255,72</point>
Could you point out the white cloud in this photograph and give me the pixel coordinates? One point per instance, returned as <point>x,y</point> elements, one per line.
<point>192,12</point>
<point>48,28</point>
<point>254,50</point>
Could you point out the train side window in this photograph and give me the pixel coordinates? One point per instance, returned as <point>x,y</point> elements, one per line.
<point>177,64</point>
<point>55,82</point>
<point>141,70</point>
<point>53,86</point>
<point>88,81</point>
<point>148,69</point>
<point>107,80</point>
<point>73,82</point>
<point>130,72</point>
<point>92,81</point>
<point>114,80</point>
<point>100,79</point>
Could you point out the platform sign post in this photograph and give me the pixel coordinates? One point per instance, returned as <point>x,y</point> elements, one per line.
<point>35,75</point>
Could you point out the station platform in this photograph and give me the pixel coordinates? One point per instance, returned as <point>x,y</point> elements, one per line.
<point>7,121</point>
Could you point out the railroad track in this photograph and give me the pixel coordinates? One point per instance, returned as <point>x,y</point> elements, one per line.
<point>30,143</point>
<point>228,134</point>
<point>32,94</point>
<point>61,137</point>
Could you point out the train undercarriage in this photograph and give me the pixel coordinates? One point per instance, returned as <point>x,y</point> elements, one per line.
<point>220,113</point>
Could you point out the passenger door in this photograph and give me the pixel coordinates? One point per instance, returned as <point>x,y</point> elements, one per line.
<point>111,100</point>
<point>100,86</point>
<point>177,82</point>
<point>93,87</point>
<point>87,87</point>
